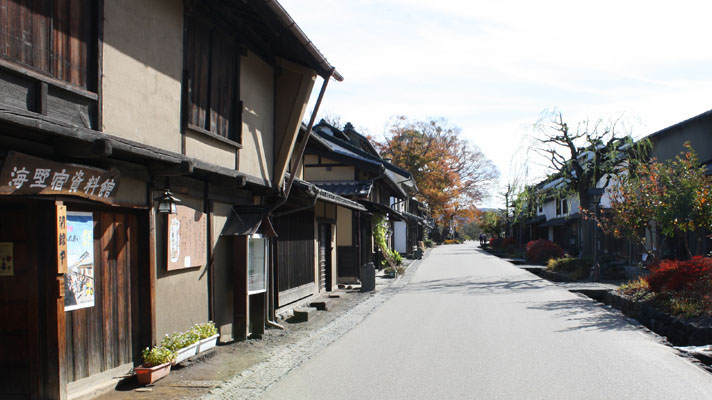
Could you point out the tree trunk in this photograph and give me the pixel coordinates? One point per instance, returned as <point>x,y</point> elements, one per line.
<point>587,226</point>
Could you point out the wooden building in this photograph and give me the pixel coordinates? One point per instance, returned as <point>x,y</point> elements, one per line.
<point>346,163</point>
<point>103,107</point>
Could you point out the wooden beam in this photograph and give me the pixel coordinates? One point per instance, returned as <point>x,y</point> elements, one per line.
<point>185,167</point>
<point>100,148</point>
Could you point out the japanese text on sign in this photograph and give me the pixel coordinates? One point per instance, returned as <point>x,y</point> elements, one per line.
<point>23,174</point>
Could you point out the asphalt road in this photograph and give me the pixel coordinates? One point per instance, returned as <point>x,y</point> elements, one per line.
<point>471,326</point>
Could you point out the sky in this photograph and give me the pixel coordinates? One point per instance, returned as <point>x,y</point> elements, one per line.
<point>493,67</point>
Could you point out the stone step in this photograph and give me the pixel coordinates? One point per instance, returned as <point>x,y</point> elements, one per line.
<point>302,314</point>
<point>321,305</point>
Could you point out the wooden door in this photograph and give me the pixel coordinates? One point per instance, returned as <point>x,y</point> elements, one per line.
<point>105,336</point>
<point>294,258</point>
<point>19,342</point>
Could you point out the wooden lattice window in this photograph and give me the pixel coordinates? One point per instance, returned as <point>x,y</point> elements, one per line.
<point>54,37</point>
<point>212,78</point>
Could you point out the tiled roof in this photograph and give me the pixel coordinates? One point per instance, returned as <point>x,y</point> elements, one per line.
<point>347,188</point>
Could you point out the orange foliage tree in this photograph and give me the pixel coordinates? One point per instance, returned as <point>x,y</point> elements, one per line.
<point>452,174</point>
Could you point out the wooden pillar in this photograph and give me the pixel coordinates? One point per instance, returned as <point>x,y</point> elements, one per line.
<point>56,375</point>
<point>240,300</point>
<point>148,279</point>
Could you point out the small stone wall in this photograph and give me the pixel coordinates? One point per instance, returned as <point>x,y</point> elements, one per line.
<point>679,331</point>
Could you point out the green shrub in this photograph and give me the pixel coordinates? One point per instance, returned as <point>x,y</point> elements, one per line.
<point>157,356</point>
<point>575,268</point>
<point>637,289</point>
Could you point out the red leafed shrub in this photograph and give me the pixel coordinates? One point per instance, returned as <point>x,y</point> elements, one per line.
<point>676,275</point>
<point>541,251</point>
<point>495,242</point>
<point>509,242</point>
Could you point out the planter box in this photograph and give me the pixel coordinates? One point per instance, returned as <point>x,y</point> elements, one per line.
<point>186,352</point>
<point>148,375</point>
<point>207,343</point>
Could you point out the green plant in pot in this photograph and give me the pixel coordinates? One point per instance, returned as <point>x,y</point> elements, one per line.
<point>156,364</point>
<point>205,330</point>
<point>179,340</point>
<point>207,334</point>
<point>184,344</point>
<point>157,356</point>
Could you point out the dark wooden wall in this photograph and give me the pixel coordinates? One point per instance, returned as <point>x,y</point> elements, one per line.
<point>106,336</point>
<point>294,259</point>
<point>347,261</point>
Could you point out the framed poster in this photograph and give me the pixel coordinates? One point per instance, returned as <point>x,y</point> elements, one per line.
<point>79,279</point>
<point>6,265</point>
<point>187,239</point>
<point>257,261</point>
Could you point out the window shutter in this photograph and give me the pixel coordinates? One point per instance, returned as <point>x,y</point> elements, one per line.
<point>198,54</point>
<point>222,86</point>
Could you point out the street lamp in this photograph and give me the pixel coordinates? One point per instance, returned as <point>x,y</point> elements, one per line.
<point>595,194</point>
<point>167,202</point>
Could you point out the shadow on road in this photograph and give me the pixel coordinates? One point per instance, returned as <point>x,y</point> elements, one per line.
<point>472,287</point>
<point>586,315</point>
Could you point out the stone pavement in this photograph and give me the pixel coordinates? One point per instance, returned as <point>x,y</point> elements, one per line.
<point>244,369</point>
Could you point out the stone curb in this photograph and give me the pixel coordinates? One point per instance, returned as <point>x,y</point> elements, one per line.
<point>678,330</point>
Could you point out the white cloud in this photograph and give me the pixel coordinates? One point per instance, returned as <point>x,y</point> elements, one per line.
<point>492,67</point>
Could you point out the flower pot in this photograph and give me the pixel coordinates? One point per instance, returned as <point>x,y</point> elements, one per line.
<point>207,343</point>
<point>148,375</point>
<point>186,352</point>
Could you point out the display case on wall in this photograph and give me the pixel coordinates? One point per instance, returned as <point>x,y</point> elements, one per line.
<point>258,260</point>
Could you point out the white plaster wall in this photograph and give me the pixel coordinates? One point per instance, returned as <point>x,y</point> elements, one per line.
<point>222,253</point>
<point>182,295</point>
<point>131,192</point>
<point>550,209</point>
<point>257,94</point>
<point>316,174</point>
<point>573,204</point>
<point>399,237</point>
<point>344,227</point>
<point>142,67</point>
<point>209,150</point>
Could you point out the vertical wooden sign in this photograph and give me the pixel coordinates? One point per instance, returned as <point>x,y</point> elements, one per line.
<point>61,239</point>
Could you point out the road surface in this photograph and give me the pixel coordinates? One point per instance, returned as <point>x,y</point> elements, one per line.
<point>472,326</point>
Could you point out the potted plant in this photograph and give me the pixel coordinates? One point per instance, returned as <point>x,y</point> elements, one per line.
<point>207,335</point>
<point>184,344</point>
<point>156,365</point>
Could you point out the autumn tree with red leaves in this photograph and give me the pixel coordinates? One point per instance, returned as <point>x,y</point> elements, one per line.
<point>452,174</point>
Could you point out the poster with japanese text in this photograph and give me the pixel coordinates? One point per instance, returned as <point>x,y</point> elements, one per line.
<point>6,265</point>
<point>79,280</point>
